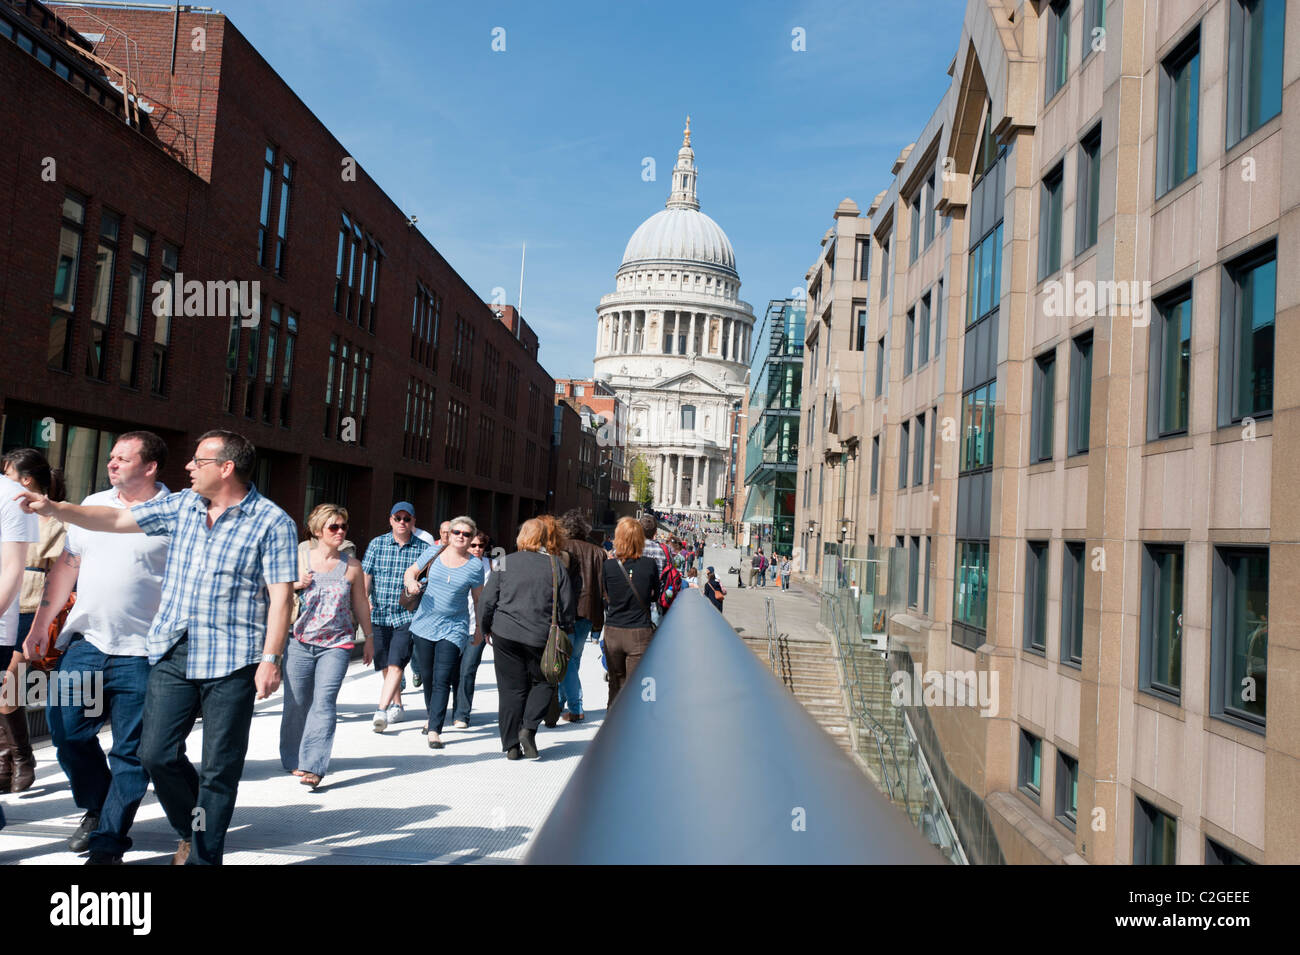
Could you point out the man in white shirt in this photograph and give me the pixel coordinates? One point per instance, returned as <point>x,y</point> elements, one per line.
<point>17,530</point>
<point>118,578</point>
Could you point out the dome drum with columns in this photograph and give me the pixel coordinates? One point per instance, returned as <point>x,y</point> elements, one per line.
<point>674,341</point>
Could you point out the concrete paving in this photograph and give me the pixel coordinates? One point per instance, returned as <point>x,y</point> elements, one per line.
<point>388,798</point>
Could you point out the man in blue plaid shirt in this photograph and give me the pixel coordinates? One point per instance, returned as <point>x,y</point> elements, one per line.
<point>218,638</point>
<point>387,558</point>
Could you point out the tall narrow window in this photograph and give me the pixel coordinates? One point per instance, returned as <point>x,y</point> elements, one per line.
<point>101,303</point>
<point>884,268</point>
<point>250,373</point>
<point>1161,652</point>
<point>938,317</point>
<point>1094,28</point>
<point>864,260</point>
<point>1080,394</point>
<point>1058,46</point>
<point>1178,123</point>
<point>1031,765</point>
<point>970,588</point>
<point>264,217</point>
<point>1036,596</point>
<point>282,223</point>
<point>1073,568</point>
<point>1249,304</point>
<point>880,367</point>
<point>1239,664</point>
<point>331,371</point>
<point>268,375</point>
<point>286,371</point>
<point>135,297</point>
<point>926,568</point>
<point>232,365</point>
<point>1050,214</point>
<point>909,341</point>
<point>984,282</point>
<point>918,459</point>
<point>923,330</point>
<point>1087,205</point>
<point>345,230</point>
<point>1044,415</point>
<point>1170,363</point>
<point>977,421</point>
<point>162,326</point>
<point>1255,33</point>
<point>914,572</point>
<point>914,240</point>
<point>1067,790</point>
<point>934,428</point>
<point>860,341</point>
<point>67,270</point>
<point>904,432</point>
<point>875,465</point>
<point>929,211</point>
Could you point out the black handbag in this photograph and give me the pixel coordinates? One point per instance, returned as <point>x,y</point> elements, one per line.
<point>559,648</point>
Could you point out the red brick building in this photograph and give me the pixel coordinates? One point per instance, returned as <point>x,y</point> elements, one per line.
<point>369,371</point>
<point>573,462</point>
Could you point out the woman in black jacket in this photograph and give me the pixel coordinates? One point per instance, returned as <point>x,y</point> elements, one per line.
<point>631,586</point>
<point>515,617</point>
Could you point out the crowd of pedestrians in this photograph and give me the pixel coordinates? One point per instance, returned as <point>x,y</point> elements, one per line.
<point>203,601</point>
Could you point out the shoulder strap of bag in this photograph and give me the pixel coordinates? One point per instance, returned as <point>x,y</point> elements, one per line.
<point>632,587</point>
<point>555,587</point>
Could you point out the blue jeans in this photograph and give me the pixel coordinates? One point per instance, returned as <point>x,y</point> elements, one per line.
<point>470,658</point>
<point>438,663</point>
<point>198,804</point>
<point>114,786</point>
<point>570,689</point>
<point>312,678</point>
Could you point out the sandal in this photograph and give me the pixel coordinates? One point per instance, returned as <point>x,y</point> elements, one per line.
<point>310,779</point>
<point>299,772</point>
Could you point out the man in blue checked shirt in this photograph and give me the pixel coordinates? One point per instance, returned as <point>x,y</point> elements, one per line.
<point>218,638</point>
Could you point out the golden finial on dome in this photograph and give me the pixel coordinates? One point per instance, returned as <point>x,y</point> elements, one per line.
<point>687,140</point>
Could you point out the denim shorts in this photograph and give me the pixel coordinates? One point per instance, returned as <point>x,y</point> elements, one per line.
<point>392,646</point>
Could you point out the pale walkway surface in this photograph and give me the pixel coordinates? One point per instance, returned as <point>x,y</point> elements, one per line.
<point>797,609</point>
<point>387,798</point>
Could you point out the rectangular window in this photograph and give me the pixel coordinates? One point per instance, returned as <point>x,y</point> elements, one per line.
<point>938,317</point>
<point>1094,28</point>
<point>875,464</point>
<point>345,232</point>
<point>1088,202</point>
<point>1155,835</point>
<point>286,372</point>
<point>1058,47</point>
<point>1239,665</point>
<point>282,223</point>
<point>864,260</point>
<point>1080,394</point>
<point>904,433</point>
<point>162,327</point>
<point>1249,308</point>
<point>1067,790</point>
<point>1031,765</point>
<point>930,217</point>
<point>1050,214</point>
<point>1160,663</point>
<point>232,365</point>
<point>934,428</point>
<point>331,371</point>
<point>880,367</point>
<point>1170,364</point>
<point>918,459</point>
<point>1073,568</point>
<point>135,299</point>
<point>1044,416</point>
<point>923,330</point>
<point>909,341</point>
<point>1179,116</point>
<point>1036,596</point>
<point>914,239</point>
<point>884,268</point>
<point>977,420</point>
<point>268,376</point>
<point>1255,34</point>
<point>860,341</point>
<point>264,217</point>
<point>984,282</point>
<point>971,584</point>
<point>67,270</point>
<point>101,303</point>
<point>914,572</point>
<point>926,568</point>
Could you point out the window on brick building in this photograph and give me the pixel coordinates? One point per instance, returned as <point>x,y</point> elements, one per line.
<point>511,409</point>
<point>425,317</point>
<point>162,326</point>
<point>282,223</point>
<point>232,365</point>
<point>454,454</point>
<point>507,472</point>
<point>268,374</point>
<point>331,372</point>
<point>250,373</point>
<point>66,272</point>
<point>101,302</point>
<point>264,215</point>
<point>134,319</point>
<point>286,372</point>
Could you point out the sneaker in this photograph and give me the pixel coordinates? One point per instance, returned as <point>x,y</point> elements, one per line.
<point>380,722</point>
<point>396,713</point>
<point>460,725</point>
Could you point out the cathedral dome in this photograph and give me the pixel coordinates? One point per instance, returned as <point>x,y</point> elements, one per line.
<point>681,235</point>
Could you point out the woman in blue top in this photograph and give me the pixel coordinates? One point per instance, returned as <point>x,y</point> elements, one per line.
<point>441,624</point>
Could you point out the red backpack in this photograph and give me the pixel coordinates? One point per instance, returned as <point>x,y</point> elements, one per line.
<point>670,580</point>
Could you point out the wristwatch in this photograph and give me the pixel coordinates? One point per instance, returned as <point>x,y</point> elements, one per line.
<point>272,658</point>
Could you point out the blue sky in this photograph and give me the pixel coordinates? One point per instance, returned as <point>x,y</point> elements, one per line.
<point>543,143</point>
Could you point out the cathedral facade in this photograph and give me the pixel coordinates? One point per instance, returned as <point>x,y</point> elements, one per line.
<point>673,340</point>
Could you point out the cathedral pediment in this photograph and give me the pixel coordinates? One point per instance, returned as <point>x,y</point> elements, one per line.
<point>689,381</point>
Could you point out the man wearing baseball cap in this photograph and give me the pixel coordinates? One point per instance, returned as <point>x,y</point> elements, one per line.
<point>385,563</point>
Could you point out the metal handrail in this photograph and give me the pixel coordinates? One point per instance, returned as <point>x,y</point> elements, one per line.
<point>678,756</point>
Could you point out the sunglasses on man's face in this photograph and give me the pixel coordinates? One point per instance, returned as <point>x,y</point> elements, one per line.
<point>402,520</point>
